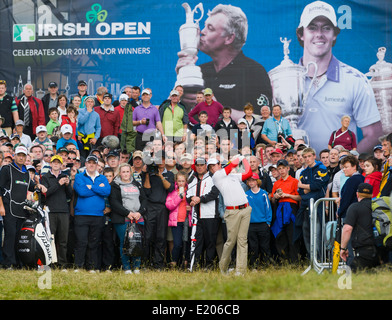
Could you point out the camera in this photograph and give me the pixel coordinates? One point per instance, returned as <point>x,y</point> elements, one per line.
<point>150,161</point>
<point>64,174</point>
<point>280,135</point>
<point>152,169</point>
<point>36,162</point>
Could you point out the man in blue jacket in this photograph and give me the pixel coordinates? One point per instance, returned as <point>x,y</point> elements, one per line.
<point>312,184</point>
<point>91,188</point>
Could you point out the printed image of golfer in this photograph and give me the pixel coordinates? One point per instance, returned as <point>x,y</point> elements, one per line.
<point>339,89</point>
<point>238,210</point>
<point>234,78</point>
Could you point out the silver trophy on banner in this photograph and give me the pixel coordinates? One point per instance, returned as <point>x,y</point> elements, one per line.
<point>381,82</point>
<point>288,90</point>
<point>190,75</point>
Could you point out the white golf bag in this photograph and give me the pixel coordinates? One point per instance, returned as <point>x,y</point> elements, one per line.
<point>34,246</point>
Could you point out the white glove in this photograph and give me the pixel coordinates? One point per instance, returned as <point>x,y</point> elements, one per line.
<point>238,156</point>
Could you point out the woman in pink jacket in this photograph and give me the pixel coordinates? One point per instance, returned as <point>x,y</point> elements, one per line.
<point>178,207</point>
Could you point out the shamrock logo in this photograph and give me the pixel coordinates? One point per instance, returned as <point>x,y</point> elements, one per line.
<point>96,13</point>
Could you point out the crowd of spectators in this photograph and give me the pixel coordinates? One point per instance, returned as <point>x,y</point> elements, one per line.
<point>102,164</point>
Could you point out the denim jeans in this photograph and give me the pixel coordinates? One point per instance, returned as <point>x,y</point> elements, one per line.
<point>177,241</point>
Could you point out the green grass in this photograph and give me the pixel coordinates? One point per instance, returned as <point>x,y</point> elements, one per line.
<point>273,283</point>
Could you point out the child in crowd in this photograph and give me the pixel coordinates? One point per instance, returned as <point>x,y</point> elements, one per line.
<point>260,222</point>
<point>248,116</point>
<point>7,159</point>
<point>66,132</point>
<point>71,119</point>
<point>244,136</point>
<point>226,123</point>
<point>274,173</point>
<point>202,129</point>
<point>53,121</point>
<point>178,207</point>
<point>42,138</point>
<point>15,139</point>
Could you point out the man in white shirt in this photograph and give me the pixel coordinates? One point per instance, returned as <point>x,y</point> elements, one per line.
<point>237,213</point>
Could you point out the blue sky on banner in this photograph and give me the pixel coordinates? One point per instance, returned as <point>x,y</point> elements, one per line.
<point>136,42</point>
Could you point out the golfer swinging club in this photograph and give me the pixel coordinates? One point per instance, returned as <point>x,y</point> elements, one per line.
<point>237,213</point>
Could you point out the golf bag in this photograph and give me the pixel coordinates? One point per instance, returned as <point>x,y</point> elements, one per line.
<point>34,243</point>
<point>382,217</point>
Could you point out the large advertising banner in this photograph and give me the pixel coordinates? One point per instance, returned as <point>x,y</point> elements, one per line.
<point>262,52</point>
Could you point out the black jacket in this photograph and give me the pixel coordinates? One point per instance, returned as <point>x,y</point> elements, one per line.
<point>221,125</point>
<point>157,193</point>
<point>57,195</point>
<point>118,211</point>
<point>359,216</point>
<point>6,112</point>
<point>45,101</point>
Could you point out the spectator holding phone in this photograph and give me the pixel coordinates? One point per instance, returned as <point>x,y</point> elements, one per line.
<point>59,191</point>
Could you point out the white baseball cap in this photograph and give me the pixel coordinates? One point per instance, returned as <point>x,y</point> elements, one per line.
<point>66,129</point>
<point>241,120</point>
<point>146,91</point>
<point>186,156</point>
<point>212,161</point>
<point>89,98</point>
<point>123,96</point>
<point>316,9</point>
<point>21,149</point>
<point>40,129</point>
<point>174,93</point>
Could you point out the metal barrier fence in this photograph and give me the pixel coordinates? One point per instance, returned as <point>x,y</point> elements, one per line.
<point>320,257</point>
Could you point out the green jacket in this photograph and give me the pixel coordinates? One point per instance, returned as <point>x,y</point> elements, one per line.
<point>176,125</point>
<point>127,122</point>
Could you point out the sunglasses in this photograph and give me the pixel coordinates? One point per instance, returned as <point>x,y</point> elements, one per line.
<point>48,155</point>
<point>3,82</point>
<point>71,158</point>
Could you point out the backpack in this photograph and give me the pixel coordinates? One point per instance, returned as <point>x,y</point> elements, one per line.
<point>382,217</point>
